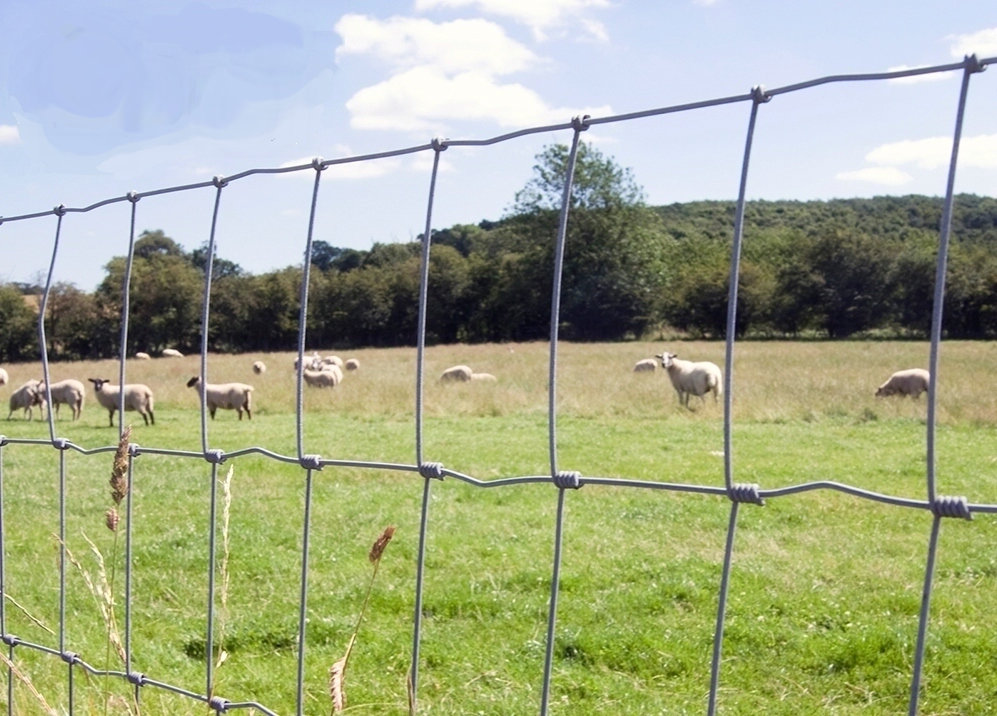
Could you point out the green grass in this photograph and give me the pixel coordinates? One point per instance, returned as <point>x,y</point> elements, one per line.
<point>824,594</point>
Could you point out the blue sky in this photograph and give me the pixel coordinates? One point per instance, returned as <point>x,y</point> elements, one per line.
<point>105,97</point>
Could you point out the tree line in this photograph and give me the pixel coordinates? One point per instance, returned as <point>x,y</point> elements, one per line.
<point>834,269</point>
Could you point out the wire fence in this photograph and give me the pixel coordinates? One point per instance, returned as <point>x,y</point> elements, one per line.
<point>433,473</point>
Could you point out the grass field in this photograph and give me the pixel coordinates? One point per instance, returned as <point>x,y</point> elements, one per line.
<point>825,588</point>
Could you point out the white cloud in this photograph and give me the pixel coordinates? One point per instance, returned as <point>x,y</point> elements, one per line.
<point>982,43</point>
<point>541,16</point>
<point>9,134</point>
<point>887,176</point>
<point>369,169</point>
<point>457,46</point>
<point>424,99</point>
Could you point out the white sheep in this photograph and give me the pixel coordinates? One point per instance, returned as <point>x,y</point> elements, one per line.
<point>142,355</point>
<point>3,377</point>
<point>646,365</point>
<point>333,360</point>
<point>352,364</point>
<point>138,397</point>
<point>457,373</point>
<point>912,381</point>
<point>259,367</point>
<point>328,378</point>
<point>486,377</point>
<point>227,396</point>
<point>692,378</point>
<point>172,353</point>
<point>25,398</point>
<point>312,363</point>
<point>69,391</point>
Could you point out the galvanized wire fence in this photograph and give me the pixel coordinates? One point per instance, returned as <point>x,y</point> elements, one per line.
<point>434,473</point>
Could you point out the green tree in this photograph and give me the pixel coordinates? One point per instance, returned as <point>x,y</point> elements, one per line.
<point>19,337</point>
<point>614,249</point>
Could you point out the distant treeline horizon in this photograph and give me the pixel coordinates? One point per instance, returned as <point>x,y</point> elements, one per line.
<point>827,269</point>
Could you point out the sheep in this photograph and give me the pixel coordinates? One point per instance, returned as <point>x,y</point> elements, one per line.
<point>646,365</point>
<point>69,391</point>
<point>333,360</point>
<point>228,396</point>
<point>689,378</point>
<point>457,373</point>
<point>313,363</point>
<point>259,367</point>
<point>26,397</point>
<point>3,377</point>
<point>138,397</point>
<point>488,377</point>
<point>912,381</point>
<point>328,378</point>
<point>141,355</point>
<point>172,353</point>
<point>352,364</point>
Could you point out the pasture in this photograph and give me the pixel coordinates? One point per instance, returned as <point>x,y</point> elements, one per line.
<point>825,587</point>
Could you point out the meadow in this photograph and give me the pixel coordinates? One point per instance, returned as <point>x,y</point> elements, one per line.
<point>825,588</point>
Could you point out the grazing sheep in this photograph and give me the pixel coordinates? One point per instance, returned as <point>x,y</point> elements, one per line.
<point>227,396</point>
<point>328,378</point>
<point>259,367</point>
<point>912,381</point>
<point>25,398</point>
<point>138,397</point>
<point>69,391</point>
<point>352,364</point>
<point>457,373</point>
<point>172,353</point>
<point>689,378</point>
<point>312,363</point>
<point>646,365</point>
<point>3,377</point>
<point>487,377</point>
<point>333,360</point>
<point>141,355</point>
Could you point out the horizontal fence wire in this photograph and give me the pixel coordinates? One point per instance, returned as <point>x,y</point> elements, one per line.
<point>939,506</point>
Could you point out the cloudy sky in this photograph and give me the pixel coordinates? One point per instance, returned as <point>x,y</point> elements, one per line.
<point>106,97</point>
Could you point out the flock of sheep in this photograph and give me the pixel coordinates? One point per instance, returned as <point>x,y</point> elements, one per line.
<point>138,397</point>
<point>689,378</point>
<point>701,377</point>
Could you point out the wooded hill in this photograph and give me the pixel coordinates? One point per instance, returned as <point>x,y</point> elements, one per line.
<point>835,269</point>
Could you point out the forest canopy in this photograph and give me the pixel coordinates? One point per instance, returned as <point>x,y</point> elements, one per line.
<point>836,269</point>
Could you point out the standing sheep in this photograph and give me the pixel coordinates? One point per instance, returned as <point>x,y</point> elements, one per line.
<point>689,378</point>
<point>912,381</point>
<point>646,365</point>
<point>456,374</point>
<point>352,364</point>
<point>138,397</point>
<point>227,396</point>
<point>25,398</point>
<point>328,378</point>
<point>259,367</point>
<point>3,377</point>
<point>69,391</point>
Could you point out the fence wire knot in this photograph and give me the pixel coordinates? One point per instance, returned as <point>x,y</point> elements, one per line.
<point>745,492</point>
<point>759,95</point>
<point>214,456</point>
<point>134,450</point>
<point>580,123</point>
<point>311,462</point>
<point>973,63</point>
<point>137,678</point>
<point>60,444</point>
<point>318,164</point>
<point>3,440</point>
<point>951,507</point>
<point>219,182</point>
<point>218,704</point>
<point>440,144</point>
<point>568,479</point>
<point>431,469</point>
<point>133,196</point>
<point>10,640</point>
<point>70,657</point>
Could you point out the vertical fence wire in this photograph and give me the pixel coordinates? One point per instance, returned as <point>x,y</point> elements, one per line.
<point>438,145</point>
